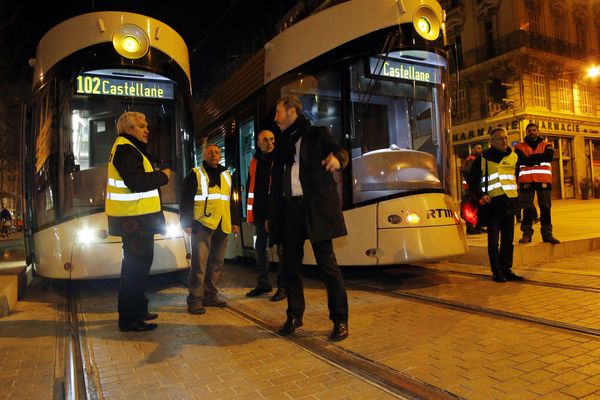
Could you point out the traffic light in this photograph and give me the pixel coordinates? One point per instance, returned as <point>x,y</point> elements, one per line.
<point>497,91</point>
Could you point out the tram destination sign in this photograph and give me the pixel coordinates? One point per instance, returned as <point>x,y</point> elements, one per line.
<point>403,70</point>
<point>109,86</point>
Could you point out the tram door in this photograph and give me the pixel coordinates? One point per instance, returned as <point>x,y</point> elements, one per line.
<point>247,149</point>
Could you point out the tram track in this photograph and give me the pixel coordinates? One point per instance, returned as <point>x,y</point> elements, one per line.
<point>461,306</point>
<point>592,289</point>
<point>386,378</point>
<point>74,379</point>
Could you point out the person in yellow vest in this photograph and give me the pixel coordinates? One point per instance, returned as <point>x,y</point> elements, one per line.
<point>208,213</point>
<point>492,179</point>
<point>134,212</point>
<point>258,185</point>
<point>535,176</point>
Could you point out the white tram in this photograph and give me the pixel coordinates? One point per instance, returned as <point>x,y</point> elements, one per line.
<point>88,70</point>
<point>375,72</point>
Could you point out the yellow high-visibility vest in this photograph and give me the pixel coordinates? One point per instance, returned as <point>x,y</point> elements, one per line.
<point>501,177</point>
<point>211,205</point>
<point>122,202</point>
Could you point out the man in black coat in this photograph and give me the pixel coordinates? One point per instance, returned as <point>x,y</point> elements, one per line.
<point>304,192</point>
<point>134,212</point>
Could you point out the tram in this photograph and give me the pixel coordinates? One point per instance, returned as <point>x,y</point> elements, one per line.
<point>88,70</point>
<point>376,73</point>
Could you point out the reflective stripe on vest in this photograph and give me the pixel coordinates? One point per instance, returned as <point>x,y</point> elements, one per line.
<point>211,204</point>
<point>120,200</point>
<point>251,184</point>
<point>501,176</point>
<point>534,173</point>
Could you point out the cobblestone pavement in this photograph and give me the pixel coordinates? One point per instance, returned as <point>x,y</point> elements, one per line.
<point>28,346</point>
<point>221,355</point>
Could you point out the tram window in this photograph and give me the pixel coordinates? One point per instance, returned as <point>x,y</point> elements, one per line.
<point>43,195</point>
<point>320,95</point>
<point>247,150</point>
<point>392,112</point>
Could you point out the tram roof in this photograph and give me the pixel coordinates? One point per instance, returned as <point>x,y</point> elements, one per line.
<point>89,29</point>
<point>323,31</point>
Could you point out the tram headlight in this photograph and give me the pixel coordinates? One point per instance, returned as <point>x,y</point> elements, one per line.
<point>413,218</point>
<point>85,235</point>
<point>426,23</point>
<point>131,41</point>
<point>173,230</point>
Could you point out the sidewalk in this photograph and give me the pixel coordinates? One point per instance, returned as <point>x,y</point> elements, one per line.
<point>576,223</point>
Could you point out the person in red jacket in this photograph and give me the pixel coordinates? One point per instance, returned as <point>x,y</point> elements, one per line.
<point>259,180</point>
<point>475,152</point>
<point>535,176</point>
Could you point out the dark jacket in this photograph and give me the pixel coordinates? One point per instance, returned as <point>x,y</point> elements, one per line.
<point>324,216</point>
<point>476,174</point>
<point>190,187</point>
<point>264,162</point>
<point>130,164</point>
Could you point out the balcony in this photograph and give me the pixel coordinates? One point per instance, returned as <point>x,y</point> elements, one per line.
<point>518,39</point>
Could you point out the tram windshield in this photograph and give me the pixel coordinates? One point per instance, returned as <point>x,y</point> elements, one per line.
<point>86,134</point>
<point>397,119</point>
<point>397,102</point>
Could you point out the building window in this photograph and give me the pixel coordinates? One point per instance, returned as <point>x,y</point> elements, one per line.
<point>534,15</point>
<point>459,104</point>
<point>489,37</point>
<point>581,29</point>
<point>560,27</point>
<point>565,95</point>
<point>493,104</point>
<point>459,51</point>
<point>539,90</point>
<point>586,99</point>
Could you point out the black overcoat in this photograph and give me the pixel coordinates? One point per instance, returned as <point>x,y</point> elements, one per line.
<point>324,216</point>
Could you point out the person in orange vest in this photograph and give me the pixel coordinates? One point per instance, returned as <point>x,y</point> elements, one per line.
<point>208,212</point>
<point>535,177</point>
<point>259,181</point>
<point>475,152</point>
<point>134,211</point>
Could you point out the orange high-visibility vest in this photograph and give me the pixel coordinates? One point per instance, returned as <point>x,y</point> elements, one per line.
<point>534,173</point>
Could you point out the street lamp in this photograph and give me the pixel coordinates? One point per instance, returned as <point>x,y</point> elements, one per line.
<point>593,71</point>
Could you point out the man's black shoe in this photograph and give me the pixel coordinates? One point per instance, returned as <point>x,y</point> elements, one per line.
<point>551,240</point>
<point>290,326</point>
<point>150,316</point>
<point>139,326</point>
<point>511,276</point>
<point>525,239</point>
<point>279,295</point>
<point>257,291</point>
<point>499,278</point>
<point>339,332</point>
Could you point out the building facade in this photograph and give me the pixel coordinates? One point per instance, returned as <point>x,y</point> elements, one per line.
<point>522,61</point>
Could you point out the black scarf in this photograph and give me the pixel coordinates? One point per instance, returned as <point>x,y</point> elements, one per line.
<point>290,136</point>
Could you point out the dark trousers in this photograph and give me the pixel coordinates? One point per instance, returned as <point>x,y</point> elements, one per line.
<point>295,234</point>
<point>138,252</point>
<point>260,250</point>
<point>544,196</point>
<point>262,259</point>
<point>500,228</point>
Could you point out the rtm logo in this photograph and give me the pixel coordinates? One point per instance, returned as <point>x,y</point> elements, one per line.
<point>439,213</point>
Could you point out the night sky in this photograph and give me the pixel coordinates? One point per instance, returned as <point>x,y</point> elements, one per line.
<point>223,31</point>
